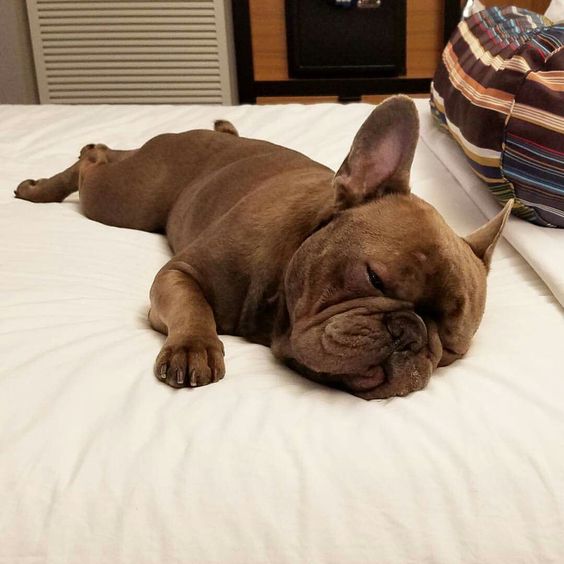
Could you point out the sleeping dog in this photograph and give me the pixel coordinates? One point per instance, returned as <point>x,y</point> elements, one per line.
<point>350,279</point>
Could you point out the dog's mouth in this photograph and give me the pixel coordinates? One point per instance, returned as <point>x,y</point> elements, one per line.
<point>365,383</point>
<point>378,383</point>
<point>400,375</point>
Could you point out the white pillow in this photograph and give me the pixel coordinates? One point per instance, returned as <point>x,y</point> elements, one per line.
<point>555,11</point>
<point>471,7</point>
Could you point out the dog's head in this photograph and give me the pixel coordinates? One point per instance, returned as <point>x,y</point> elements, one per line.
<point>384,292</point>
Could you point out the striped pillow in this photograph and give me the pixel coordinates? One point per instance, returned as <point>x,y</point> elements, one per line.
<point>499,91</point>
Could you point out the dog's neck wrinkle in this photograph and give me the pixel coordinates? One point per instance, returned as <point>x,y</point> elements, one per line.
<point>263,315</point>
<point>257,315</point>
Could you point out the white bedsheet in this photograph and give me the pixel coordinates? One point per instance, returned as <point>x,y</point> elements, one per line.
<point>99,463</point>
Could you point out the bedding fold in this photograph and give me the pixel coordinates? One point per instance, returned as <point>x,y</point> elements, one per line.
<point>542,248</point>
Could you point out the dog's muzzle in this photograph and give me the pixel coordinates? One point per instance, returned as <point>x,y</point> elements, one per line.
<point>369,353</point>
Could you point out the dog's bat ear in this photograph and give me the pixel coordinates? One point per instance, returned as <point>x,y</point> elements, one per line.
<point>381,154</point>
<point>483,240</point>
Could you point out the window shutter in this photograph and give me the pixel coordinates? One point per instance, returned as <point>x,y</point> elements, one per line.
<point>133,52</point>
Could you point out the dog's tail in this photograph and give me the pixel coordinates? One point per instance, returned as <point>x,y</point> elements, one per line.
<point>225,126</point>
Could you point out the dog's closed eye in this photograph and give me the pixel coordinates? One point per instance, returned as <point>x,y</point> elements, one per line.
<point>375,280</point>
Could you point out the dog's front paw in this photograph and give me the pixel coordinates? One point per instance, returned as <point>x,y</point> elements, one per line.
<point>190,361</point>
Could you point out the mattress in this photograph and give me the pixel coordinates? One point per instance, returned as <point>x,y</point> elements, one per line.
<point>101,463</point>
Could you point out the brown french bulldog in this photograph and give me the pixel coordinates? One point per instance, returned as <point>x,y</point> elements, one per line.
<point>349,278</point>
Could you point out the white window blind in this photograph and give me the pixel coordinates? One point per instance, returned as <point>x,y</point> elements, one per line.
<point>145,51</point>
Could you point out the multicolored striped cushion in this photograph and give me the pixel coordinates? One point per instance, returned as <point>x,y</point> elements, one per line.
<point>499,91</point>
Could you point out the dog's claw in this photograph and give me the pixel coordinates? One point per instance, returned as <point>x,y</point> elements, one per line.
<point>193,381</point>
<point>179,376</point>
<point>190,364</point>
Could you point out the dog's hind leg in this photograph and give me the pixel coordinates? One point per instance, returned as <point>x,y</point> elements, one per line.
<point>54,189</point>
<point>58,187</point>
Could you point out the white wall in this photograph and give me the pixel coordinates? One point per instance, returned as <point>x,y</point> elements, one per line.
<point>17,73</point>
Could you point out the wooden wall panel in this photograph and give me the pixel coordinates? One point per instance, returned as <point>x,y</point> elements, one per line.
<point>538,6</point>
<point>295,99</point>
<point>424,34</point>
<point>377,98</point>
<point>268,33</point>
<point>368,99</point>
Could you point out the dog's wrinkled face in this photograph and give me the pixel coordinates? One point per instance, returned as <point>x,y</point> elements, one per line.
<point>386,291</point>
<point>375,305</point>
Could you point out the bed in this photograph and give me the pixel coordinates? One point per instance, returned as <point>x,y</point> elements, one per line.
<point>101,463</point>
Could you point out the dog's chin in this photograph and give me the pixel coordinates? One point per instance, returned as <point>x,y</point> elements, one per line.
<point>357,384</point>
<point>405,373</point>
<point>399,375</point>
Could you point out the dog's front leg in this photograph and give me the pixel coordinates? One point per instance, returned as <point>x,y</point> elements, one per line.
<point>192,354</point>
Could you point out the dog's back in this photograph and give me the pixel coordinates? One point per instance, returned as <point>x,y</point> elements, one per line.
<point>182,183</point>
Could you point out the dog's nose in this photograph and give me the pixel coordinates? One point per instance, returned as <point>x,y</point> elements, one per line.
<point>408,331</point>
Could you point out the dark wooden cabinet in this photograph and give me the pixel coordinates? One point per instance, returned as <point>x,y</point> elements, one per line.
<point>262,54</point>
